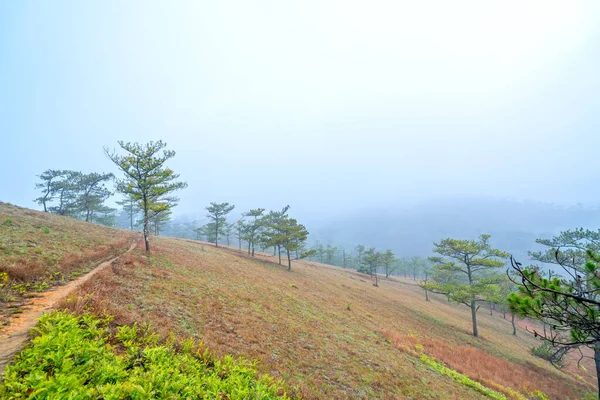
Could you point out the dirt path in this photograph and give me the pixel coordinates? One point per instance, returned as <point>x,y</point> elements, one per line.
<point>14,336</point>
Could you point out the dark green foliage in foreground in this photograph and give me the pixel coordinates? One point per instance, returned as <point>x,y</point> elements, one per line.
<point>72,357</point>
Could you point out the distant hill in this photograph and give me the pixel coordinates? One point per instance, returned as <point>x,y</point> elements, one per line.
<point>514,225</point>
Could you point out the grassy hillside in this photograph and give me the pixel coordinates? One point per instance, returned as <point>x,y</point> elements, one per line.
<point>40,250</point>
<point>327,332</point>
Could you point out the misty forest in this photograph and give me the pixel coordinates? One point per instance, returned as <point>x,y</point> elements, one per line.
<point>288,200</point>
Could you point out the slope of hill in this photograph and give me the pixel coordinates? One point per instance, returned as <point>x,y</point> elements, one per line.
<point>325,331</point>
<point>41,250</point>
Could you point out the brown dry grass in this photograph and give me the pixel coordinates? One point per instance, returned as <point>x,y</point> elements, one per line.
<point>40,250</point>
<point>482,367</point>
<point>298,326</point>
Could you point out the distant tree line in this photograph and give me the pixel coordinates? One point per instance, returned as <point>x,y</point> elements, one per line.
<point>370,261</point>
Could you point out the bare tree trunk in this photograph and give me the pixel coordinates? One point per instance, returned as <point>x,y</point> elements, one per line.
<point>426,295</point>
<point>474,317</point>
<point>289,261</point>
<point>376,280</point>
<point>512,321</point>
<point>45,198</point>
<point>504,311</point>
<point>544,324</point>
<point>279,249</point>
<point>597,362</point>
<point>146,232</point>
<point>217,231</point>
<point>491,308</point>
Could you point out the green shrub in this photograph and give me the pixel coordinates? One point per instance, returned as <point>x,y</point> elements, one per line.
<point>75,357</point>
<point>45,229</point>
<point>20,288</point>
<point>8,222</point>
<point>41,286</point>
<point>3,278</point>
<point>548,352</point>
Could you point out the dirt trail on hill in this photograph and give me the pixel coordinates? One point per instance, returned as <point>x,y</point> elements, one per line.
<point>14,336</point>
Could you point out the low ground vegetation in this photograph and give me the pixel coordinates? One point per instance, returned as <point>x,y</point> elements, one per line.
<point>80,356</point>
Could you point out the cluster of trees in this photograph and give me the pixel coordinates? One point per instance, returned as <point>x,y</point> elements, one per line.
<point>566,300</point>
<point>274,229</point>
<point>561,289</point>
<point>76,194</point>
<point>218,225</point>
<point>470,272</point>
<point>371,261</point>
<point>382,262</point>
<point>147,187</point>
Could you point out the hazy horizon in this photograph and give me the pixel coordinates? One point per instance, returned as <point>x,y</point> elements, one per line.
<point>330,107</point>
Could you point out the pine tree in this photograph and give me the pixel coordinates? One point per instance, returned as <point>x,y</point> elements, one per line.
<point>389,262</point>
<point>228,232</point>
<point>372,260</point>
<point>217,213</point>
<point>240,232</point>
<point>48,186</point>
<point>147,179</point>
<point>291,236</point>
<point>475,261</point>
<point>569,305</point>
<point>360,249</point>
<point>330,252</point>
<point>131,208</point>
<point>252,227</point>
<point>271,235</point>
<point>92,193</point>
<point>65,191</point>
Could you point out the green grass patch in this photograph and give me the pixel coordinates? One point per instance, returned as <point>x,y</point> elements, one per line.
<point>461,378</point>
<point>80,357</point>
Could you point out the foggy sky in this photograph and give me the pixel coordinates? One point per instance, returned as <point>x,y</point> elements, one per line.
<point>329,106</point>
